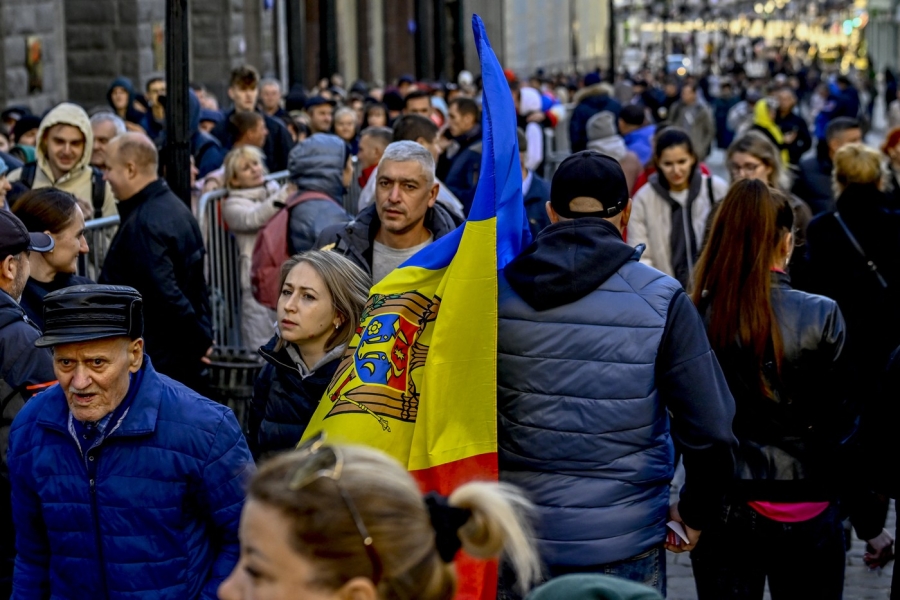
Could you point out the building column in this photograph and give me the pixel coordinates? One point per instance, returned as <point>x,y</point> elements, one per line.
<point>375,18</point>
<point>347,40</point>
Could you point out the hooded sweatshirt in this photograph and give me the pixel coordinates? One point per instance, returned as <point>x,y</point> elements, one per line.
<point>132,115</point>
<point>78,181</point>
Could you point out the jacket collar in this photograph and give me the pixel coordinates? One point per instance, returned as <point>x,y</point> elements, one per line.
<point>781,280</point>
<point>141,418</point>
<point>10,311</point>
<point>152,190</point>
<point>470,137</point>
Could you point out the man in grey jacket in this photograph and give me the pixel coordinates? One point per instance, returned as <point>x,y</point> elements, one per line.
<point>694,117</point>
<point>604,371</point>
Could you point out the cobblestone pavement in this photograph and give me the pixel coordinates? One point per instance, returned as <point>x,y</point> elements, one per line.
<point>859,582</point>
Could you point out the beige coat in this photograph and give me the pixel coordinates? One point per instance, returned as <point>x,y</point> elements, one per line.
<point>651,222</point>
<point>77,181</point>
<point>245,212</point>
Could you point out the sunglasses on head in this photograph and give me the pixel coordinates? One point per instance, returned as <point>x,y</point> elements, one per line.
<point>326,462</point>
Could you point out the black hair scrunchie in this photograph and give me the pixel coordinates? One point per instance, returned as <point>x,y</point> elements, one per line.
<point>446,521</point>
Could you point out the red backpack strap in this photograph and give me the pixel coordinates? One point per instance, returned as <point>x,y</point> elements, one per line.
<point>299,197</point>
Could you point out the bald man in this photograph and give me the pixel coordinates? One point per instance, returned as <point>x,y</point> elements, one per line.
<point>158,250</point>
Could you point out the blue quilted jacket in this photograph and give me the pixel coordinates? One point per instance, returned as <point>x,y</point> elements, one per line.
<point>152,513</point>
<point>595,352</point>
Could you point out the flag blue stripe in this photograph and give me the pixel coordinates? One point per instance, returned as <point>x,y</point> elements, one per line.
<point>499,190</point>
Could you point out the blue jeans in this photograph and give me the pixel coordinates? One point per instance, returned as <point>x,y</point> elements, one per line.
<point>648,568</point>
<point>735,556</point>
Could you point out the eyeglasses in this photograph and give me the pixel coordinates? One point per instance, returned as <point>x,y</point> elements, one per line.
<point>748,169</point>
<point>330,466</point>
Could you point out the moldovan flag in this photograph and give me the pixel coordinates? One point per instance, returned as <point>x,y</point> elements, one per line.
<point>419,379</point>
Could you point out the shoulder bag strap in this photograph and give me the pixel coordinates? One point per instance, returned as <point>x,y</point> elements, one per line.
<point>856,245</point>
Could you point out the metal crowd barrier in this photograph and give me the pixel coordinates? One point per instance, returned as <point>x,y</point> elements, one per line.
<point>223,274</point>
<point>99,234</point>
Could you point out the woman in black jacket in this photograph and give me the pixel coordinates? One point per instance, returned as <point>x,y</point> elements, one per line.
<point>58,214</point>
<point>322,297</point>
<point>778,348</point>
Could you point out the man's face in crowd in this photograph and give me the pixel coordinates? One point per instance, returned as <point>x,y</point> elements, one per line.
<point>688,95</point>
<point>257,135</point>
<point>369,152</point>
<point>459,123</point>
<point>418,106</point>
<point>842,138</point>
<point>786,101</point>
<point>119,98</point>
<point>65,147</point>
<point>22,267</point>
<point>270,97</point>
<point>320,118</point>
<point>403,195</point>
<point>104,131</point>
<point>207,126</point>
<point>119,174</point>
<point>95,375</point>
<point>155,90</point>
<point>244,98</point>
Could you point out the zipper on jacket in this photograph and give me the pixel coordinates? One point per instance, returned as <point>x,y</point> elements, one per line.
<point>95,513</point>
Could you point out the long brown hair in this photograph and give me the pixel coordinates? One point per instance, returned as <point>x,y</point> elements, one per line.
<point>732,277</point>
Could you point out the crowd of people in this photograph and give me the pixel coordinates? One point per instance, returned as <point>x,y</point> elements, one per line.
<point>747,328</point>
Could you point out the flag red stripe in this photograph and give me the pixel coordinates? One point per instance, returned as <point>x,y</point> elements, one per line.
<point>477,578</point>
<point>447,477</point>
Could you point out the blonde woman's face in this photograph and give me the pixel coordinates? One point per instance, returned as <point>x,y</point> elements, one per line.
<point>269,568</point>
<point>306,314</point>
<point>248,174</point>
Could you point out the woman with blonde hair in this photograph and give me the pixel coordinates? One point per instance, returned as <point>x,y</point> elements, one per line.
<point>319,306</point>
<point>856,165</point>
<point>336,522</point>
<point>250,204</point>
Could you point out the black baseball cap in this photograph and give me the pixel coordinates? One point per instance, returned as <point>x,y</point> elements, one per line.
<point>593,175</point>
<point>15,238</point>
<point>82,313</point>
<point>318,101</point>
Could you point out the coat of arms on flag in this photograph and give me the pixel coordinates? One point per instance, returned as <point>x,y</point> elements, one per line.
<point>378,375</point>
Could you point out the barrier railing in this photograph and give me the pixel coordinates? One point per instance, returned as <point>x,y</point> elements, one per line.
<point>223,268</point>
<point>99,234</point>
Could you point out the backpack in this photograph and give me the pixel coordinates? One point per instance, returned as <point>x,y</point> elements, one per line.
<point>98,186</point>
<point>271,250</point>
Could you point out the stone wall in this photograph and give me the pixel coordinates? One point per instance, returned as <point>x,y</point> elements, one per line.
<point>19,21</point>
<point>106,39</point>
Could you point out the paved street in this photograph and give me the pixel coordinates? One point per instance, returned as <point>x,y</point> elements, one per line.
<point>860,583</point>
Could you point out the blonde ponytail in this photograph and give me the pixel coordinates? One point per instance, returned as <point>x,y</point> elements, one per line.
<point>499,525</point>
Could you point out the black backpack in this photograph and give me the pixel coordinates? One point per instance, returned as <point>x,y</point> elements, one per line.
<point>98,186</point>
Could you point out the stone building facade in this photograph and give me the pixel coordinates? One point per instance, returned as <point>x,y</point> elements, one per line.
<point>85,44</point>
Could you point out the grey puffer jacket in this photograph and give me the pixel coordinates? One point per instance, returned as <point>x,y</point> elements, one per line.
<point>317,165</point>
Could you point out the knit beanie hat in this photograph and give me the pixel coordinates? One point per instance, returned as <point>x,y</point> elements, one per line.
<point>593,587</point>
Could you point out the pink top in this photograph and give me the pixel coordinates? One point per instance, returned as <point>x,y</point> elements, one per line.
<point>789,512</point>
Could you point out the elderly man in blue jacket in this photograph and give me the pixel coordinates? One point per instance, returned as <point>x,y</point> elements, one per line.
<point>604,370</point>
<point>125,483</point>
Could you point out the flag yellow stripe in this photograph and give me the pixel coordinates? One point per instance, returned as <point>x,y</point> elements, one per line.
<point>457,415</point>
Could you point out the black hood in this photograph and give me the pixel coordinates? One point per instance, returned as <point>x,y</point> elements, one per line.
<point>568,261</point>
